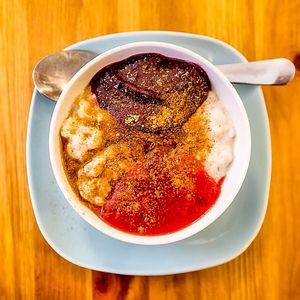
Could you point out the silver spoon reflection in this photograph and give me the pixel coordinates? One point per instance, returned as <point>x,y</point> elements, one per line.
<point>53,72</point>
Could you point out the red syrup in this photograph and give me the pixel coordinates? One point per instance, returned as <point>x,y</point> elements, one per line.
<point>143,206</point>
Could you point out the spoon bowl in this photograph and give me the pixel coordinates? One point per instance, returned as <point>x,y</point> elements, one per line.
<point>54,71</point>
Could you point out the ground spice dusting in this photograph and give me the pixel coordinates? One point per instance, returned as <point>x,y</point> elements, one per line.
<point>140,165</point>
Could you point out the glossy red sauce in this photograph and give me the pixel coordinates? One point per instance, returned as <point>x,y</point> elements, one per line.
<point>144,211</point>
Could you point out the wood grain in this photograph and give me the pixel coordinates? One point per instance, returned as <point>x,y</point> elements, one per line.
<point>29,268</point>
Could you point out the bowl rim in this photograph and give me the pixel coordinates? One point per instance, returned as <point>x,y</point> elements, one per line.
<point>83,210</point>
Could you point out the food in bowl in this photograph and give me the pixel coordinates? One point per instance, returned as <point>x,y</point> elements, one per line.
<point>147,144</point>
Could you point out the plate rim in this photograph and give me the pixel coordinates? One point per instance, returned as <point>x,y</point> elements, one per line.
<point>30,179</point>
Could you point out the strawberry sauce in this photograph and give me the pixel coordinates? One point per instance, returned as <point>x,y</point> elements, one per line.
<point>144,206</point>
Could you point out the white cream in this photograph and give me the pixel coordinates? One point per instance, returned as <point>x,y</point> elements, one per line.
<point>222,133</point>
<point>81,138</point>
<point>83,128</point>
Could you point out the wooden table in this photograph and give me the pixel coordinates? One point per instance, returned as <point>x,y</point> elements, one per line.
<point>29,268</point>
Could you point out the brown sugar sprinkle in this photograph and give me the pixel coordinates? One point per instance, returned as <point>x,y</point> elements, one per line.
<point>169,154</point>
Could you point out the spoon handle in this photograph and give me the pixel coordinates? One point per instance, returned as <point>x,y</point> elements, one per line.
<point>277,71</point>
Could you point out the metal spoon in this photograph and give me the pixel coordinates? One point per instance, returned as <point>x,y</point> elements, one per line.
<point>51,73</point>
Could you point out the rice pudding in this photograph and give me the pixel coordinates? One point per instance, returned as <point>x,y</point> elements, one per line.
<point>147,144</point>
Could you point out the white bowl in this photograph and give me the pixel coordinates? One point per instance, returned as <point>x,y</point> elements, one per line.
<point>225,92</point>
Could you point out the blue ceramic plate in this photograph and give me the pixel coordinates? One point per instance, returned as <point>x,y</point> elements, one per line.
<point>78,242</point>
